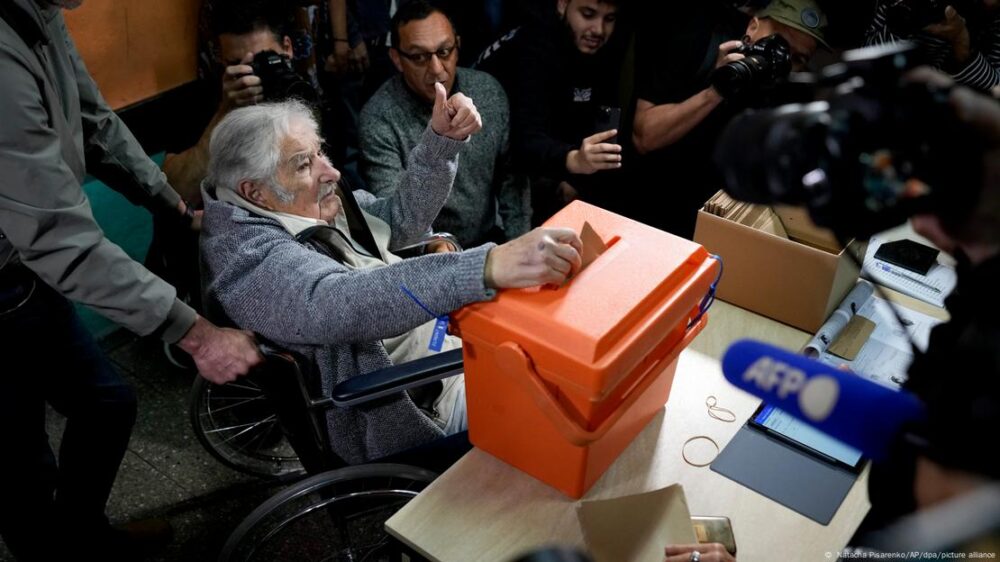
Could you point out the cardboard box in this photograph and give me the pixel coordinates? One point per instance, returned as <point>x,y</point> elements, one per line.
<point>791,282</point>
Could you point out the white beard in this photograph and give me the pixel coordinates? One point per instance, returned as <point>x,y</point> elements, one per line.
<point>326,190</point>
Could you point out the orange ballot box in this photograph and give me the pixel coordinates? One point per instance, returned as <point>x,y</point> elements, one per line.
<point>560,380</point>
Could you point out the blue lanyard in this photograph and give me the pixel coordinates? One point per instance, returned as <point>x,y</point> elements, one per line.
<point>440,326</point>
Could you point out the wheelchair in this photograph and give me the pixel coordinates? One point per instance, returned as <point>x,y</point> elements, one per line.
<point>272,423</point>
<point>338,513</point>
<point>236,425</point>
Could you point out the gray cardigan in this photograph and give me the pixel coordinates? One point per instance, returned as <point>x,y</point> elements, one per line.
<point>335,317</point>
<point>487,194</point>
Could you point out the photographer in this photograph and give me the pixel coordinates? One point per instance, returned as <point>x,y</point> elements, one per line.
<point>253,42</point>
<point>679,113</point>
<point>242,29</point>
<point>962,39</point>
<point>951,481</point>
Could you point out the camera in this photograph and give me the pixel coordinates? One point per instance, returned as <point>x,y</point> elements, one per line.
<point>863,150</point>
<point>906,17</point>
<point>279,80</point>
<point>765,62</point>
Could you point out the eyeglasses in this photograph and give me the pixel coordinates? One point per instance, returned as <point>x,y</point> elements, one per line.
<point>422,59</point>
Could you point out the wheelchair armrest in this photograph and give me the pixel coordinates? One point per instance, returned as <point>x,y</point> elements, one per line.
<point>391,380</point>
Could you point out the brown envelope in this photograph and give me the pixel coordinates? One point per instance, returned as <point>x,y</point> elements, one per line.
<point>636,528</point>
<point>852,338</point>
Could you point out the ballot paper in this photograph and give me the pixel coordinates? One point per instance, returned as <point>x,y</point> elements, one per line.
<point>758,217</point>
<point>887,353</point>
<point>636,528</point>
<point>593,245</point>
<point>931,288</point>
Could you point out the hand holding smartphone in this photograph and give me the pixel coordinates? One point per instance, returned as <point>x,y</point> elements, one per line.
<point>608,118</point>
<point>715,529</point>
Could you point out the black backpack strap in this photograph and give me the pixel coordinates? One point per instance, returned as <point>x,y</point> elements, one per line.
<point>360,231</point>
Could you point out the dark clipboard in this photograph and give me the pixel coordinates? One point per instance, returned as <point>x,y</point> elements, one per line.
<point>795,478</point>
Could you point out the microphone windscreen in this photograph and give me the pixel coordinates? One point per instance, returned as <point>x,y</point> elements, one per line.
<point>861,413</point>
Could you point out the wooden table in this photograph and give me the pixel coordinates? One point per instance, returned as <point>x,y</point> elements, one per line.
<point>484,510</point>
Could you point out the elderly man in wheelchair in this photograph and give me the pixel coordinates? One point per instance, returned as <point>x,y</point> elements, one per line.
<point>293,256</point>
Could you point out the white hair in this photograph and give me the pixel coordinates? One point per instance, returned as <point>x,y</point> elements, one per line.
<point>245,145</point>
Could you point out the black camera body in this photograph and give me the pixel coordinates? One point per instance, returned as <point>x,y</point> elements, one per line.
<point>279,80</point>
<point>765,63</point>
<point>863,151</point>
<point>906,17</point>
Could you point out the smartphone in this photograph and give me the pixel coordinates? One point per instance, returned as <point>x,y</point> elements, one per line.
<point>909,255</point>
<point>715,529</point>
<point>608,118</point>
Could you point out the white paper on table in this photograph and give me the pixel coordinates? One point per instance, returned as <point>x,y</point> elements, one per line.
<point>637,527</point>
<point>887,354</point>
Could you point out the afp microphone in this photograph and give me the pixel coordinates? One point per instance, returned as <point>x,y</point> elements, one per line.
<point>858,412</point>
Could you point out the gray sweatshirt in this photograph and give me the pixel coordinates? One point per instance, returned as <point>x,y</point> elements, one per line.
<point>487,194</point>
<point>55,128</point>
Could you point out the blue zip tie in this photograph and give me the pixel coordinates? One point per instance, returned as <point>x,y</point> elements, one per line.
<point>709,298</point>
<point>416,300</point>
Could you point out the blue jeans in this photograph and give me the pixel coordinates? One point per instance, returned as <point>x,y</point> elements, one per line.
<point>49,357</point>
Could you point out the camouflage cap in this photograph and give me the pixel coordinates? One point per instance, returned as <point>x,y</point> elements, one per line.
<point>803,15</point>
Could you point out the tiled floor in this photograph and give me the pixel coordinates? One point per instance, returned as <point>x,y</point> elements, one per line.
<point>166,473</point>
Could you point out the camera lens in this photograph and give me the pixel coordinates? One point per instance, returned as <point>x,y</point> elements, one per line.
<point>279,80</point>
<point>736,78</point>
<point>791,140</point>
<point>850,156</point>
<point>766,62</point>
<point>299,89</point>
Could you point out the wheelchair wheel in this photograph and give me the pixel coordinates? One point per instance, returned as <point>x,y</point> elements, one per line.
<point>236,425</point>
<point>333,516</point>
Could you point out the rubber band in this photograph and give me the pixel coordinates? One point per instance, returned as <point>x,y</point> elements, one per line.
<point>714,410</point>
<point>695,438</point>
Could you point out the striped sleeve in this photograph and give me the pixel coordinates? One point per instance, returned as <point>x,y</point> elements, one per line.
<point>983,71</point>
<point>979,74</point>
<point>878,32</point>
